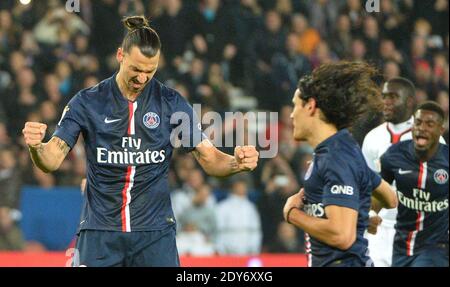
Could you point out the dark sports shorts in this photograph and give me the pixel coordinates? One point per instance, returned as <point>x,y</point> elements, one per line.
<point>98,248</point>
<point>433,256</point>
<point>350,262</point>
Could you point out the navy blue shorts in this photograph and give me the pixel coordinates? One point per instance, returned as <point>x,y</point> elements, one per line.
<point>98,248</point>
<point>433,256</point>
<point>350,262</point>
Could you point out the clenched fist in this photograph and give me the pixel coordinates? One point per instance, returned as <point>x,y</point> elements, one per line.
<point>246,157</point>
<point>34,133</point>
<point>374,222</point>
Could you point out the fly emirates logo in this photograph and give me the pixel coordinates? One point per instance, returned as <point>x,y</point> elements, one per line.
<point>421,201</point>
<point>130,157</point>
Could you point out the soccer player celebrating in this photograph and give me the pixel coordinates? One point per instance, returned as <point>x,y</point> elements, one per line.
<point>420,170</point>
<point>334,205</point>
<point>399,103</point>
<point>128,123</point>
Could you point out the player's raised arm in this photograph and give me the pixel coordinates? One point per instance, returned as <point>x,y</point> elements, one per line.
<point>219,164</point>
<point>46,156</point>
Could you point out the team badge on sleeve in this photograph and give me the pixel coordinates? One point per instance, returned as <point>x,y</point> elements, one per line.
<point>151,120</point>
<point>441,176</point>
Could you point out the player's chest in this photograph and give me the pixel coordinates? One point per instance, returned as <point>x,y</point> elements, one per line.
<point>313,183</point>
<point>427,181</point>
<point>131,126</point>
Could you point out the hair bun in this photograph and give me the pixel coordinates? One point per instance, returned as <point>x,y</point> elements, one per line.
<point>135,22</point>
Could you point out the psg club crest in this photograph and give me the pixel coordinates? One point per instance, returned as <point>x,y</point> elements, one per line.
<point>151,120</point>
<point>441,176</point>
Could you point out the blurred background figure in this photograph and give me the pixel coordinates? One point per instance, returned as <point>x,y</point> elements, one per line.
<point>238,223</point>
<point>10,184</point>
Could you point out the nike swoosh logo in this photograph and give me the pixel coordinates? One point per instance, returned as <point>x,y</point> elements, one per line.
<point>111,121</point>
<point>400,171</point>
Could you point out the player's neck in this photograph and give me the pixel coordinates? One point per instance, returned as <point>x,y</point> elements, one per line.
<point>402,124</point>
<point>426,155</point>
<point>320,133</point>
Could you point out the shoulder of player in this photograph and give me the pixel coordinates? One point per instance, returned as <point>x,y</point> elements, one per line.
<point>399,147</point>
<point>340,154</point>
<point>93,91</point>
<point>164,91</point>
<point>375,133</point>
<point>444,148</point>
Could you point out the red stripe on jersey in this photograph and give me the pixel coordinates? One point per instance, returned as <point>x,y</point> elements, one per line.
<point>130,116</point>
<point>412,235</point>
<point>418,219</point>
<point>124,199</point>
<point>128,175</point>
<point>408,243</point>
<point>419,183</point>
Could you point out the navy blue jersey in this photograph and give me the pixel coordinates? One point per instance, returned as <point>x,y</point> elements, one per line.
<point>422,189</point>
<point>128,149</point>
<point>339,175</point>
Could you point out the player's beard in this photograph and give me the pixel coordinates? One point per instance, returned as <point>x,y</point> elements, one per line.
<point>135,86</point>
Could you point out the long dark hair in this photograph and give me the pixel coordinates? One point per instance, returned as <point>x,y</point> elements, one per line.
<point>140,34</point>
<point>343,91</point>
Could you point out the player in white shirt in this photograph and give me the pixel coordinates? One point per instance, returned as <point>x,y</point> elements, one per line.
<point>399,103</point>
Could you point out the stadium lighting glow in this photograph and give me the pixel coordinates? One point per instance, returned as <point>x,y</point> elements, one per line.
<point>25,2</point>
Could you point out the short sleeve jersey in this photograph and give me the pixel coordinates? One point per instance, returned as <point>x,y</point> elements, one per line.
<point>128,148</point>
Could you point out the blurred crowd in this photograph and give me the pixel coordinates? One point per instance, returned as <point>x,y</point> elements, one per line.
<point>229,55</point>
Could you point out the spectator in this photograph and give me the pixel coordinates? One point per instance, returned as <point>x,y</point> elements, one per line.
<point>371,36</point>
<point>341,39</point>
<point>359,50</point>
<point>264,44</point>
<point>391,70</point>
<point>323,16</point>
<point>210,40</point>
<point>10,184</point>
<point>288,67</point>
<point>192,242</point>
<point>279,183</point>
<point>355,10</point>
<point>238,223</point>
<point>287,240</point>
<point>309,37</point>
<point>174,18</point>
<point>200,214</point>
<point>182,198</point>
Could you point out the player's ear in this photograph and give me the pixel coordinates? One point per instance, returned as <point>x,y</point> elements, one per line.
<point>410,103</point>
<point>312,106</point>
<point>119,55</point>
<point>442,130</point>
